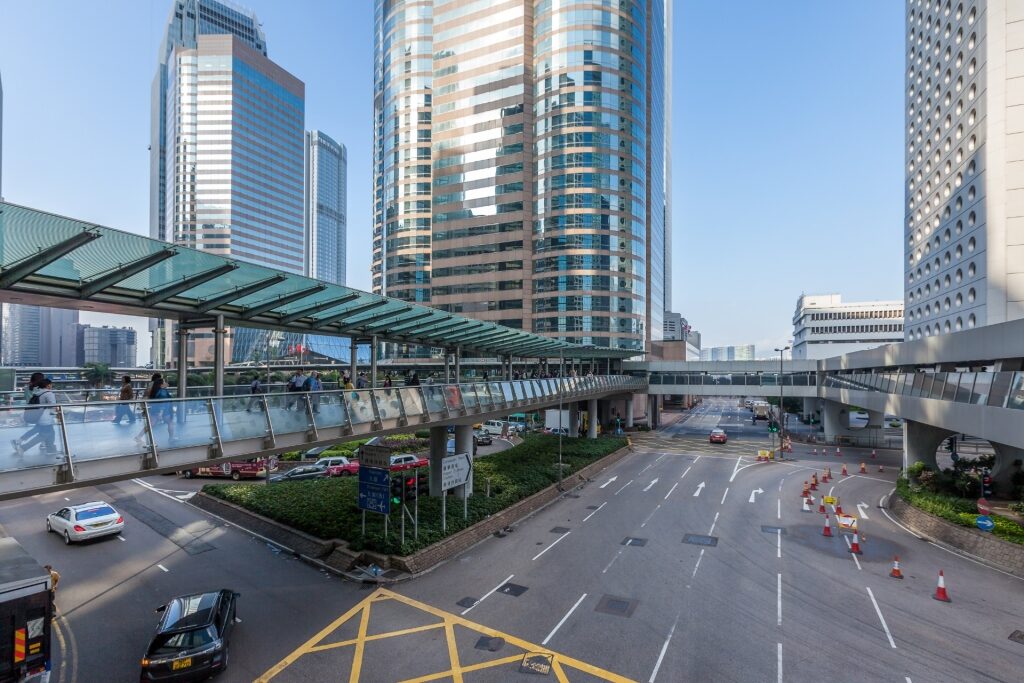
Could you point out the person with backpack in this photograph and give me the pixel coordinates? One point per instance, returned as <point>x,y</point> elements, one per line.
<point>255,390</point>
<point>41,417</point>
<point>160,412</point>
<point>124,410</point>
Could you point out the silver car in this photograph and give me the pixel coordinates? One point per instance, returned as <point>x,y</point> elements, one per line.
<point>81,522</point>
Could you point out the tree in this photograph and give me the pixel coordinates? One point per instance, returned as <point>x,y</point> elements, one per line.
<point>97,374</point>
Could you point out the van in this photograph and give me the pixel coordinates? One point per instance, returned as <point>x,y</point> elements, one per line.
<point>494,427</point>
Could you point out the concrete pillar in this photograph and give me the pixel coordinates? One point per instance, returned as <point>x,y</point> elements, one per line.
<point>182,362</point>
<point>458,364</point>
<point>810,408</point>
<point>373,361</point>
<point>438,449</point>
<point>920,442</point>
<point>592,418</point>
<point>218,357</point>
<point>353,360</point>
<point>464,444</point>
<point>1009,460</point>
<point>574,419</point>
<point>629,411</point>
<point>835,419</point>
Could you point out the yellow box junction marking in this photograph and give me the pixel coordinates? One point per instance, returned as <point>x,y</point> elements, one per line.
<point>561,665</point>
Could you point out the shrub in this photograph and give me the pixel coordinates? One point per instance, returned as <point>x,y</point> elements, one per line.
<point>961,511</point>
<point>915,470</point>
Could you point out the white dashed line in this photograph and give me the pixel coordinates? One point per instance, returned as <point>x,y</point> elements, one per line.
<point>624,486</point>
<point>712,529</point>
<point>595,511</point>
<point>778,545</point>
<point>609,565</point>
<point>671,490</point>
<point>724,495</point>
<point>778,601</point>
<point>488,594</point>
<point>163,568</point>
<point>697,566</point>
<point>778,509</point>
<point>559,624</point>
<point>120,537</point>
<point>684,473</point>
<point>881,618</point>
<point>649,516</point>
<point>780,662</point>
<point>551,546</point>
<point>661,655</point>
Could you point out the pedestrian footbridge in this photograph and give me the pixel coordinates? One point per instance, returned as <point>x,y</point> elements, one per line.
<point>88,447</point>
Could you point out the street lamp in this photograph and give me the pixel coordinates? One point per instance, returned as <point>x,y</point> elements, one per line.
<point>782,410</point>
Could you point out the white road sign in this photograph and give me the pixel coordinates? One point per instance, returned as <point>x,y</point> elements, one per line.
<point>455,470</point>
<point>374,456</point>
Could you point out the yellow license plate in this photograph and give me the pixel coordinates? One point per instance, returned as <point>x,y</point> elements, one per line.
<point>181,664</point>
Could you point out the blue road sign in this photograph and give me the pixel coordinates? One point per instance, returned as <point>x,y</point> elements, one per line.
<point>985,523</point>
<point>374,498</point>
<point>374,475</point>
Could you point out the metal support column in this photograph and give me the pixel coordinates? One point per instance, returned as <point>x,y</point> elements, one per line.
<point>458,363</point>
<point>447,367</point>
<point>438,449</point>
<point>592,418</point>
<point>373,361</point>
<point>629,410</point>
<point>464,444</point>
<point>353,361</point>
<point>182,362</point>
<point>218,357</point>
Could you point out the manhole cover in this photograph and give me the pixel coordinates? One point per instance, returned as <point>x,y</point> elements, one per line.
<point>634,541</point>
<point>620,607</point>
<point>1017,637</point>
<point>536,663</point>
<point>593,507</point>
<point>513,589</point>
<point>490,644</point>
<point>773,530</point>
<point>698,539</point>
<point>572,495</point>
<point>466,602</point>
<point>559,530</point>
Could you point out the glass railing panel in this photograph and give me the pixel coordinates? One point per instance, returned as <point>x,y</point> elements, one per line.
<point>389,403</point>
<point>1001,382</point>
<point>965,387</point>
<point>901,383</point>
<point>240,417</point>
<point>328,408</point>
<point>538,389</point>
<point>412,399</point>
<point>434,396</point>
<point>483,394</point>
<point>918,384</point>
<point>469,397</point>
<point>1015,398</point>
<point>92,433</point>
<point>528,389</point>
<point>180,423</point>
<point>360,407</point>
<point>949,389</point>
<point>508,392</point>
<point>288,412</point>
<point>982,385</point>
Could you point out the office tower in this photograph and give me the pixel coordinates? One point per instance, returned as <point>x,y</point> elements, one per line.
<point>716,353</point>
<point>36,336</point>
<point>325,207</point>
<point>1,136</point>
<point>115,346</point>
<point>825,326</point>
<point>964,191</point>
<point>519,163</point>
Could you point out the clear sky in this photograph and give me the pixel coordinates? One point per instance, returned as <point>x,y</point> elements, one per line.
<point>787,139</point>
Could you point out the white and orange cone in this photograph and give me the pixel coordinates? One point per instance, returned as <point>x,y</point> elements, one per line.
<point>821,506</point>
<point>807,505</point>
<point>940,591</point>
<point>844,470</point>
<point>827,531</point>
<point>855,546</point>
<point>839,506</point>
<point>873,453</point>
<point>896,573</point>
<point>863,470</point>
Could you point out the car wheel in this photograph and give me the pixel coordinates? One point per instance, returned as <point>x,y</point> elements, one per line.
<point>67,539</point>
<point>345,473</point>
<point>188,474</point>
<point>236,476</point>
<point>48,527</point>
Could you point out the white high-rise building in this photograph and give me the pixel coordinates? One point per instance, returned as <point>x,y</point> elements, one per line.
<point>325,207</point>
<point>964,222</point>
<point>825,326</point>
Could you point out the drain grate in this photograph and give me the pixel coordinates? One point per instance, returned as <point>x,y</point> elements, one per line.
<point>1017,637</point>
<point>537,663</point>
<point>773,530</point>
<point>698,539</point>
<point>617,606</point>
<point>466,602</point>
<point>559,530</point>
<point>634,541</point>
<point>490,644</point>
<point>513,589</point>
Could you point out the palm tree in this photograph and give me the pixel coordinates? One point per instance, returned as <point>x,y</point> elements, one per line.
<point>98,373</point>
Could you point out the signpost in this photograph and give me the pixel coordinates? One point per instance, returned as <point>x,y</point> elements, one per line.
<point>375,492</point>
<point>374,456</point>
<point>984,507</point>
<point>456,470</point>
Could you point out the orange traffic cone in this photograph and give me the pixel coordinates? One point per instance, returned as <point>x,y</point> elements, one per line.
<point>844,469</point>
<point>837,451</point>
<point>807,505</point>
<point>881,468</point>
<point>827,531</point>
<point>855,546</point>
<point>863,470</point>
<point>814,451</point>
<point>940,590</point>
<point>896,573</point>
<point>806,492</point>
<point>821,507</point>
<point>839,506</point>
<point>814,483</point>
<point>873,453</point>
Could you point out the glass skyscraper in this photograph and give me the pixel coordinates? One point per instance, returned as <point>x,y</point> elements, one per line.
<point>520,165</point>
<point>326,202</point>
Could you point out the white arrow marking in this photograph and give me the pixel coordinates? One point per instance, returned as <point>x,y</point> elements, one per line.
<point>648,487</point>
<point>700,487</point>
<point>754,493</point>
<point>863,513</point>
<point>607,482</point>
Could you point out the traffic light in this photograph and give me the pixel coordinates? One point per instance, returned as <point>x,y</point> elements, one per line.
<point>410,486</point>
<point>396,490</point>
<point>951,444</point>
<point>422,482</point>
<point>773,426</point>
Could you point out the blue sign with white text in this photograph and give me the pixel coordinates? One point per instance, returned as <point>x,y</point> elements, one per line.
<point>985,523</point>
<point>374,475</point>
<point>374,498</point>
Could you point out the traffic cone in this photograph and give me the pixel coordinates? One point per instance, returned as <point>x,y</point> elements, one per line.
<point>863,470</point>
<point>896,573</point>
<point>855,546</point>
<point>806,492</point>
<point>880,468</point>
<point>814,451</point>
<point>827,531</point>
<point>814,483</point>
<point>940,591</point>
<point>807,506</point>
<point>873,453</point>
<point>821,507</point>
<point>837,451</point>
<point>839,506</point>
<point>844,469</point>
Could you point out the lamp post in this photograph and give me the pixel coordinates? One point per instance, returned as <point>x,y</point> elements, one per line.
<point>782,410</point>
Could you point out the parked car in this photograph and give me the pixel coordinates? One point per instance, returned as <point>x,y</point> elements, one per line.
<point>339,466</point>
<point>301,473</point>
<point>192,637</point>
<point>483,438</point>
<point>499,427</point>
<point>81,522</point>
<point>555,430</point>
<point>718,436</point>
<point>406,461</point>
<point>239,469</point>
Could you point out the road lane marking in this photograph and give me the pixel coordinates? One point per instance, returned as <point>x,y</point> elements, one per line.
<point>778,509</point>
<point>649,466</point>
<point>649,516</point>
<point>661,655</point>
<point>157,491</point>
<point>648,487</point>
<point>663,455</point>
<point>624,486</point>
<point>753,494</point>
<point>736,467</point>
<point>163,568</point>
<point>609,565</point>
<point>881,618</point>
<point>487,594</point>
<point>607,482</point>
<point>700,487</point>
<point>697,566</point>
<point>66,498</point>
<point>684,473</point>
<point>780,483</point>
<point>852,554</point>
<point>831,490</point>
<point>120,537</point>
<point>779,662</point>
<point>711,530</point>
<point>778,545</point>
<point>724,495</point>
<point>864,512</point>
<point>559,624</point>
<point>595,511</point>
<point>778,600</point>
<point>671,490</point>
<point>551,546</point>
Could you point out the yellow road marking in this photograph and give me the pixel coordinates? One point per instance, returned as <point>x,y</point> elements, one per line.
<point>453,651</point>
<point>466,669</point>
<point>378,636</point>
<point>357,660</point>
<point>559,674</point>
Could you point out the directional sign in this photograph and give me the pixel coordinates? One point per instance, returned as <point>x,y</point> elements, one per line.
<point>374,498</point>
<point>374,456</point>
<point>753,494</point>
<point>985,523</point>
<point>377,476</point>
<point>828,500</point>
<point>648,487</point>
<point>863,512</point>
<point>455,470</point>
<point>984,507</point>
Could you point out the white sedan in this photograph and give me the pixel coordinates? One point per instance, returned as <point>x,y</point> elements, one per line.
<point>81,522</point>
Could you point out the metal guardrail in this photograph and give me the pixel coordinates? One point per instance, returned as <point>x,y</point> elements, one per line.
<point>992,389</point>
<point>172,433</point>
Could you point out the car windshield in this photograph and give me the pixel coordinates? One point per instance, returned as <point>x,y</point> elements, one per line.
<point>173,643</point>
<point>93,513</point>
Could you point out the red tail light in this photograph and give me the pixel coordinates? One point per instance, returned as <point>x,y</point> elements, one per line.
<point>78,527</point>
<point>120,520</point>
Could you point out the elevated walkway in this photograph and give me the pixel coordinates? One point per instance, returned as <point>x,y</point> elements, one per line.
<point>176,434</point>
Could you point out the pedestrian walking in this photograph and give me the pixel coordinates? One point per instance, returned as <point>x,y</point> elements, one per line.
<point>161,410</point>
<point>347,385</point>
<point>361,382</point>
<point>124,410</point>
<point>387,381</point>
<point>314,385</point>
<point>41,417</point>
<point>255,392</point>
<point>296,384</point>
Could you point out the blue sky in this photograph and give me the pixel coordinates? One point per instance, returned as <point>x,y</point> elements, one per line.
<point>787,140</point>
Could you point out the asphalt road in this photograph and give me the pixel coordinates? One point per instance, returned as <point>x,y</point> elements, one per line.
<point>768,599</point>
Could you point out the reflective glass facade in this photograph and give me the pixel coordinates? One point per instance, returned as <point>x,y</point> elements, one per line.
<point>520,163</point>
<point>326,207</point>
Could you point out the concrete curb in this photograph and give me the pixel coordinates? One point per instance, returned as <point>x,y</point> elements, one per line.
<point>971,543</point>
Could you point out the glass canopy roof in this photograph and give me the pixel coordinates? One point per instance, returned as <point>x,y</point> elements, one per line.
<point>51,260</point>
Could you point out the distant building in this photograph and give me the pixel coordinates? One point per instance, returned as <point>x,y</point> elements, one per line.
<point>677,329</point>
<point>825,326</point>
<point>325,207</point>
<point>115,346</point>
<point>35,336</point>
<point>745,352</point>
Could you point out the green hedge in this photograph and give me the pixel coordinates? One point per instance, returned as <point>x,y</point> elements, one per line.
<point>398,443</point>
<point>326,508</point>
<point>961,511</point>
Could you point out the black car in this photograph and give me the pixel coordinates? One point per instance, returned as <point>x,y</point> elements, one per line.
<point>191,641</point>
<point>302,472</point>
<point>482,438</point>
